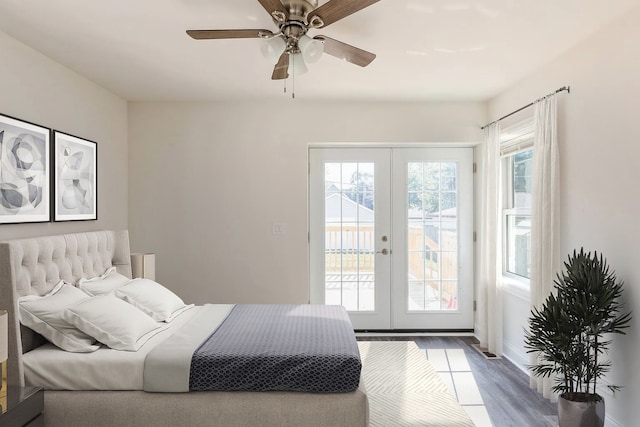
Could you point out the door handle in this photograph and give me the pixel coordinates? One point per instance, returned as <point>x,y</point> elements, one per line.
<point>384,251</point>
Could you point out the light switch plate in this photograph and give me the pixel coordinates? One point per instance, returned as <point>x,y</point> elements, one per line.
<point>279,228</point>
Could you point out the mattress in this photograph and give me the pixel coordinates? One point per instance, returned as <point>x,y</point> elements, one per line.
<point>105,369</point>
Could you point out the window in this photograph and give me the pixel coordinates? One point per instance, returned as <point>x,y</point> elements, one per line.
<point>516,146</point>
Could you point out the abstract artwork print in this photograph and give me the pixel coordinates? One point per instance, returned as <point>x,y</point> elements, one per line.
<point>24,172</point>
<point>75,178</point>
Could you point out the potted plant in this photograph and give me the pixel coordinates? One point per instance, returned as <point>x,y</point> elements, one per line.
<point>570,334</point>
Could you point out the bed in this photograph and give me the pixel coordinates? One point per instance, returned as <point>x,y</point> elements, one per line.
<point>34,267</point>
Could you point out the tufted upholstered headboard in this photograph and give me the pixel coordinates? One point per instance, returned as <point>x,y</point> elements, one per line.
<point>34,266</point>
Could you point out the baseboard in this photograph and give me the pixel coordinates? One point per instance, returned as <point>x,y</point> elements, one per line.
<point>610,422</point>
<point>518,358</point>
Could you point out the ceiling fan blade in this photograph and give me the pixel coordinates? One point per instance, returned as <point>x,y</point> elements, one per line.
<point>274,5</point>
<point>226,34</point>
<point>334,10</point>
<point>345,51</point>
<point>281,70</point>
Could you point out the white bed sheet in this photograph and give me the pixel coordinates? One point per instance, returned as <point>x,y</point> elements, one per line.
<point>105,369</point>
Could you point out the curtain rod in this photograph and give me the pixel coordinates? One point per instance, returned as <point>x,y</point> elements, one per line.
<point>567,88</point>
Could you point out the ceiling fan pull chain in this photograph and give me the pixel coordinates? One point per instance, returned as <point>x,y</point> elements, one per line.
<point>293,77</point>
<point>285,85</point>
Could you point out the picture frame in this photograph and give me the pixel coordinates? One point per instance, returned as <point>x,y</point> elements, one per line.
<point>25,172</point>
<point>75,180</point>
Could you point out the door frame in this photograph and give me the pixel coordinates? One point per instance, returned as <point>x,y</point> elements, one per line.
<point>314,292</point>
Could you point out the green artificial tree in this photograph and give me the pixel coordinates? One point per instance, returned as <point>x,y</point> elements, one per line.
<point>570,332</point>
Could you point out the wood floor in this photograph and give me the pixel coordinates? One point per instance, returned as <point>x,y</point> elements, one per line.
<point>504,388</point>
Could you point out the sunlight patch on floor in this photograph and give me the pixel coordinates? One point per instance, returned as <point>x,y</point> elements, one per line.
<point>454,369</point>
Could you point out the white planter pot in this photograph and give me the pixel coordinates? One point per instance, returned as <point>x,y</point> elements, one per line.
<point>580,414</point>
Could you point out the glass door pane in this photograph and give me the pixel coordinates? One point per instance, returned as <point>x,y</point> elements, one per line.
<point>432,236</point>
<point>349,228</point>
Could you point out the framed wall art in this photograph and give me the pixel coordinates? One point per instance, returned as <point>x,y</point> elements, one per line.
<point>25,172</point>
<point>75,178</point>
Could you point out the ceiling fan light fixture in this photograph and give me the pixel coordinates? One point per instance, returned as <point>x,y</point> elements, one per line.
<point>272,48</point>
<point>290,49</point>
<point>296,64</point>
<point>311,49</point>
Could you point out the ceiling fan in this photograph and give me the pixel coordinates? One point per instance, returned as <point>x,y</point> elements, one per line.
<point>290,47</point>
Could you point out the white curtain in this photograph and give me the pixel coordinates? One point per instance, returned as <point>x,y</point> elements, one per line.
<point>489,321</point>
<point>545,215</point>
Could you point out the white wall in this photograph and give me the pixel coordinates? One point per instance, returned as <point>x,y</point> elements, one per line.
<point>599,138</point>
<point>207,181</point>
<point>36,89</point>
<point>516,308</point>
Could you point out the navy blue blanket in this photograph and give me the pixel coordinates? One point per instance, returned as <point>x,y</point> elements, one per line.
<point>307,348</point>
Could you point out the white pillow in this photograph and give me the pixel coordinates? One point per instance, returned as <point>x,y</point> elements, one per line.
<point>152,298</point>
<point>113,322</point>
<point>44,314</point>
<point>106,283</point>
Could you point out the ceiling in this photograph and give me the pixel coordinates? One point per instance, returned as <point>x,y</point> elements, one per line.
<point>427,50</point>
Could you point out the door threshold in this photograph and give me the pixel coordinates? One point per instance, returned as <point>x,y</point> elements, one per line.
<point>416,333</point>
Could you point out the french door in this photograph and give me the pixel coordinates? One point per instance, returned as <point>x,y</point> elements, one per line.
<point>350,196</point>
<point>433,238</point>
<point>391,235</point>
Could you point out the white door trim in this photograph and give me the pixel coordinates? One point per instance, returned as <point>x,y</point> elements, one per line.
<point>397,272</point>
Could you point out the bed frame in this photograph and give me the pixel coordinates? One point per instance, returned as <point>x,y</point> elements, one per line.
<point>34,266</point>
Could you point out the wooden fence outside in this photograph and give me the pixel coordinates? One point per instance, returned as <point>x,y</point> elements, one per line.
<point>349,247</point>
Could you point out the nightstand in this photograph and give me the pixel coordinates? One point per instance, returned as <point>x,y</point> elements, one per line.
<point>24,406</point>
